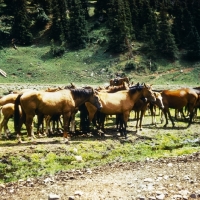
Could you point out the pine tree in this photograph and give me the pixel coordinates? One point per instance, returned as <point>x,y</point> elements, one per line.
<point>166,42</point>
<point>21,25</point>
<point>182,23</point>
<point>193,44</point>
<point>78,33</point>
<point>56,29</point>
<point>59,21</point>
<point>85,8</point>
<point>100,7</point>
<point>119,26</point>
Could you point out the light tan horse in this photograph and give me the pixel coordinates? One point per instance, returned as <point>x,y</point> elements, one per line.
<point>42,103</point>
<point>9,98</point>
<point>7,111</point>
<point>121,102</point>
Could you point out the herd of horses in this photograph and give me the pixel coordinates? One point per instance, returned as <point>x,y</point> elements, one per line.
<point>94,104</point>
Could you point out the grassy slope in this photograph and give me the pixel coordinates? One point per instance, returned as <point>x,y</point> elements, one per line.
<point>34,64</point>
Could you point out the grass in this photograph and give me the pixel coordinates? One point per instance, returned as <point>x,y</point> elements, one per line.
<point>92,66</point>
<point>50,156</point>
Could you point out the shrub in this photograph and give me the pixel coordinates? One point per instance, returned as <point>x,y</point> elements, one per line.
<point>130,65</point>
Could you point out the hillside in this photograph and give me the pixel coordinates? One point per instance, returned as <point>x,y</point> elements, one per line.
<point>96,64</point>
<point>91,66</point>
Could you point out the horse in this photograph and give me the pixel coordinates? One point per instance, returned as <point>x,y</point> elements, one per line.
<point>118,81</point>
<point>141,106</point>
<point>43,103</point>
<point>111,89</point>
<point>177,99</point>
<point>121,102</point>
<point>9,98</point>
<point>7,111</point>
<point>99,119</point>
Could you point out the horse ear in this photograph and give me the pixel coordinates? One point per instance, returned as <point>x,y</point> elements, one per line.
<point>96,92</point>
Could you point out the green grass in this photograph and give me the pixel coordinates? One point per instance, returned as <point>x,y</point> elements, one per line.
<point>35,65</point>
<point>26,160</point>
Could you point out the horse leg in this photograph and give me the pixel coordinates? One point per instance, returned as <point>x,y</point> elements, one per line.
<point>137,113</point>
<point>72,123</point>
<point>29,126</point>
<point>5,125</point>
<point>39,124</point>
<point>66,121</point>
<point>170,117</point>
<point>166,119</point>
<point>125,120</point>
<point>142,112</point>
<point>192,112</point>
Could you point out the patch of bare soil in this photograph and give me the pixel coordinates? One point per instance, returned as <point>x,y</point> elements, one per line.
<point>172,178</point>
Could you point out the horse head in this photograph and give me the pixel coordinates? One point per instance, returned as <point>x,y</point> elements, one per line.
<point>159,101</point>
<point>148,93</point>
<point>97,103</point>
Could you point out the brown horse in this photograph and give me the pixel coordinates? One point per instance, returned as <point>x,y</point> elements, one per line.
<point>122,102</point>
<point>42,103</point>
<point>118,81</point>
<point>177,99</point>
<point>141,106</point>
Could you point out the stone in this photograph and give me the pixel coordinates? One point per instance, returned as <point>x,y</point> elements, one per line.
<point>53,197</point>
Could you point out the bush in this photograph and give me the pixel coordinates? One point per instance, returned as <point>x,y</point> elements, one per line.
<point>42,19</point>
<point>130,65</point>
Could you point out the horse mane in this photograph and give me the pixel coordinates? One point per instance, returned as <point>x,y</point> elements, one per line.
<point>137,87</point>
<point>82,92</point>
<point>71,86</point>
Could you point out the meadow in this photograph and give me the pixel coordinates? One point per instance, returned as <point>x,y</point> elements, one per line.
<point>35,67</point>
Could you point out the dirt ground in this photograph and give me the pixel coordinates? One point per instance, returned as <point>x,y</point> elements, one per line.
<point>172,178</point>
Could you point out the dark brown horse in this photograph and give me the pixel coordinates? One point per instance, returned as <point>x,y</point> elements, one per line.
<point>122,102</point>
<point>118,81</point>
<point>177,99</point>
<point>42,103</point>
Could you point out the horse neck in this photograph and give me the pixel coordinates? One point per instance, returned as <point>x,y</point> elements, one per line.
<point>80,101</point>
<point>136,96</point>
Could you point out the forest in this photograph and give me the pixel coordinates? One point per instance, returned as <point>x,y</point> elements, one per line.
<point>165,27</point>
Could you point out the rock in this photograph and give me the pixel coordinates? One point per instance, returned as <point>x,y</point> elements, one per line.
<point>148,180</point>
<point>193,196</point>
<point>169,164</point>
<point>53,197</point>
<point>160,197</point>
<point>78,158</point>
<point>78,192</point>
<point>71,198</point>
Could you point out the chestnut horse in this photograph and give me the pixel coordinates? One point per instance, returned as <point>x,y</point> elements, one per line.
<point>177,99</point>
<point>121,102</point>
<point>140,108</point>
<point>42,103</point>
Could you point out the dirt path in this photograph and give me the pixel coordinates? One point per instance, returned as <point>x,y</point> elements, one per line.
<point>173,178</point>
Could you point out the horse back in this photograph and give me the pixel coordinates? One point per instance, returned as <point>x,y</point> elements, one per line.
<point>179,98</point>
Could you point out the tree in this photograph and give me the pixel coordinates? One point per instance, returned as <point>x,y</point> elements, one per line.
<point>21,24</point>
<point>193,44</point>
<point>60,22</point>
<point>120,26</point>
<point>100,7</point>
<point>166,42</point>
<point>78,33</point>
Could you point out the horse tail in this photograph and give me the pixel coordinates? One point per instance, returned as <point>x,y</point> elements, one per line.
<point>17,113</point>
<point>1,112</point>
